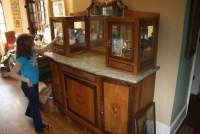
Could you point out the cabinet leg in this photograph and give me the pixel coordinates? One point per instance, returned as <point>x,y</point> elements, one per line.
<point>69,120</point>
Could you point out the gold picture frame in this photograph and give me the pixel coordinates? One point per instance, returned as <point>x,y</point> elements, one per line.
<point>145,122</point>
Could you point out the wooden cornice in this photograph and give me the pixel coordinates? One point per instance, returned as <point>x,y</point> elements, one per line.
<point>106,4</point>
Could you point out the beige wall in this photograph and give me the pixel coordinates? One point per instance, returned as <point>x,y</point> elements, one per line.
<point>69,7</point>
<point>23,16</point>
<point>80,5</point>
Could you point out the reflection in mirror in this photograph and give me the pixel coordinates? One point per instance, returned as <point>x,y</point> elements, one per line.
<point>110,8</point>
<point>146,41</point>
<point>96,29</point>
<point>58,31</point>
<point>110,11</point>
<point>97,33</point>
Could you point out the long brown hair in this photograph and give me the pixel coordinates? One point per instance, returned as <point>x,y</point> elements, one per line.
<point>24,45</point>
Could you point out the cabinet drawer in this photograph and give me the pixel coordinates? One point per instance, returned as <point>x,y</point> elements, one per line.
<point>59,50</point>
<point>79,73</point>
<point>120,66</point>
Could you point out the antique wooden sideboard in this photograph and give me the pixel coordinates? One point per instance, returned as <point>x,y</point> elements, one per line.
<point>103,69</point>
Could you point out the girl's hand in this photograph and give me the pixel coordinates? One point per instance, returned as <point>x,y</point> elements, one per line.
<point>29,82</point>
<point>47,47</point>
<point>57,38</point>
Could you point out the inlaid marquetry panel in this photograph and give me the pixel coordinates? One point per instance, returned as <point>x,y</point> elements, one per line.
<point>81,99</point>
<point>116,106</point>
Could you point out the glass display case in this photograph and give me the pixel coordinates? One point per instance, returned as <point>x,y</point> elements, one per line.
<point>96,25</point>
<point>72,30</point>
<point>131,43</point>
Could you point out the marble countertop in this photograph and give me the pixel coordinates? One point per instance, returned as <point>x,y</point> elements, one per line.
<point>95,63</point>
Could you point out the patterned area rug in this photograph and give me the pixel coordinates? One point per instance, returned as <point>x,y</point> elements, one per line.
<point>186,130</point>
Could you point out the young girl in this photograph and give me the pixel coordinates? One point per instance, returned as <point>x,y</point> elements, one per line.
<point>27,65</point>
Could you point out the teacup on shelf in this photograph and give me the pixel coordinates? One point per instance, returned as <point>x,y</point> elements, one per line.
<point>72,40</point>
<point>93,36</point>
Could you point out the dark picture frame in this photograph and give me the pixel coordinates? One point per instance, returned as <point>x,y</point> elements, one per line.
<point>146,121</point>
<point>194,27</point>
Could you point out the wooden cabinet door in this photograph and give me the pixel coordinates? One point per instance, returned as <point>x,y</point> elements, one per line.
<point>116,106</point>
<point>56,84</point>
<point>81,100</point>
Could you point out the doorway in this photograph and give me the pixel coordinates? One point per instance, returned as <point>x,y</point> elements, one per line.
<point>195,87</point>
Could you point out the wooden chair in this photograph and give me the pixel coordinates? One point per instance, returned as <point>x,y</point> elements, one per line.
<point>10,39</point>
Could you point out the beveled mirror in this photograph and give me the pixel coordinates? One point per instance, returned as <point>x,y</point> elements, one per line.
<point>108,8</point>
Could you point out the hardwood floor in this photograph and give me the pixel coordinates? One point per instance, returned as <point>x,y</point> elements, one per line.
<point>13,121</point>
<point>192,119</point>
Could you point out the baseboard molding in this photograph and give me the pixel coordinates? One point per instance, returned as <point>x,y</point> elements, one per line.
<point>179,119</point>
<point>164,129</point>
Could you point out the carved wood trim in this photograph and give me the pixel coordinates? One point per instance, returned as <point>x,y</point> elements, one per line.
<point>106,4</point>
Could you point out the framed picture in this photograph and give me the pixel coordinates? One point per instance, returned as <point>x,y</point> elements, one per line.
<point>145,122</point>
<point>17,22</point>
<point>194,27</point>
<point>58,8</point>
<point>15,8</point>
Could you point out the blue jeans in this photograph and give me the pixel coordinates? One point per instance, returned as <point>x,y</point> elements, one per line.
<point>33,109</point>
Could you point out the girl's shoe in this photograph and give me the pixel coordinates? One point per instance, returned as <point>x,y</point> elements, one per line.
<point>48,127</point>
